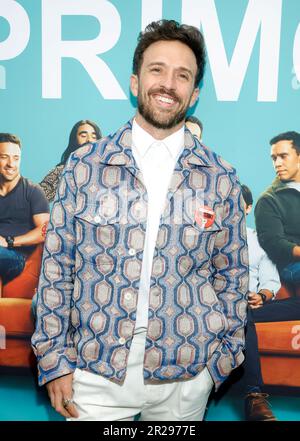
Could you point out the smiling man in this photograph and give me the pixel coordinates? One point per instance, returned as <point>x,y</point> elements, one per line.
<point>24,211</point>
<point>141,301</point>
<point>277,210</point>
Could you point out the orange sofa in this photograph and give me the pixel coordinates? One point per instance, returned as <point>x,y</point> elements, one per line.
<point>279,347</point>
<point>15,314</point>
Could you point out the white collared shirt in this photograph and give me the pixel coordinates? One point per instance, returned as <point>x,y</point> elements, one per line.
<point>156,160</point>
<point>293,184</point>
<point>263,273</point>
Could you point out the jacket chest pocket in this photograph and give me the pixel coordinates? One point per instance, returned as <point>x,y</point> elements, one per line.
<point>98,240</point>
<point>198,239</point>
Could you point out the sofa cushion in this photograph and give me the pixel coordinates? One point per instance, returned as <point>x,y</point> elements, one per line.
<point>15,317</point>
<point>279,337</point>
<point>18,354</point>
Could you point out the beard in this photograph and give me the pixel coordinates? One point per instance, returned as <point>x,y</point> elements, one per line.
<point>160,119</point>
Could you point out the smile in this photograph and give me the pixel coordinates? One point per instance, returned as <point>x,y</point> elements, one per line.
<point>166,101</point>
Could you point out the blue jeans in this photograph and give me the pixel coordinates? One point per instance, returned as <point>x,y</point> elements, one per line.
<point>12,264</point>
<point>291,274</point>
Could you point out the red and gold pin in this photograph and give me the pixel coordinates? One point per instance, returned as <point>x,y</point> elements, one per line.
<point>205,216</point>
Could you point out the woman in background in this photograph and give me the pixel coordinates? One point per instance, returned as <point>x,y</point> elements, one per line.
<point>82,132</point>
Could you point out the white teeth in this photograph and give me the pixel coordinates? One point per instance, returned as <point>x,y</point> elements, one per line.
<point>166,100</point>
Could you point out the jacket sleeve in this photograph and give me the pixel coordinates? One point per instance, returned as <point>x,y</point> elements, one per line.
<point>52,339</point>
<point>230,282</point>
<point>273,240</point>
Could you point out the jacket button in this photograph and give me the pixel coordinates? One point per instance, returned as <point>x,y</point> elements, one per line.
<point>128,295</point>
<point>132,252</point>
<point>122,341</point>
<point>97,219</point>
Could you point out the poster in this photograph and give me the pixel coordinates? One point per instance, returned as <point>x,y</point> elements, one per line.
<point>66,60</point>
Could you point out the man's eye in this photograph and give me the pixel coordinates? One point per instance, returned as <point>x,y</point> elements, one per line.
<point>184,76</point>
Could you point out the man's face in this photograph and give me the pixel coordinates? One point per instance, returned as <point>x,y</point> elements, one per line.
<point>10,156</point>
<point>286,161</point>
<point>165,86</point>
<point>86,133</point>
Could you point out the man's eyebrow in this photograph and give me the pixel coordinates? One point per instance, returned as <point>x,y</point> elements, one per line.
<point>82,131</point>
<point>160,63</point>
<point>278,154</point>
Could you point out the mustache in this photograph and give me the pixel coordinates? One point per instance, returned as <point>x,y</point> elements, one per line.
<point>162,90</point>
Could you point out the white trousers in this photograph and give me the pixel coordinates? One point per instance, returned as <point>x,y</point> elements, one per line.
<point>99,399</point>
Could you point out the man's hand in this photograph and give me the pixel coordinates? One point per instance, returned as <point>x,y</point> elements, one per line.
<point>254,300</point>
<point>3,242</point>
<point>59,390</point>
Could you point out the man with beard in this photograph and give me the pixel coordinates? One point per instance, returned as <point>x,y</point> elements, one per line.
<point>24,211</point>
<point>141,301</point>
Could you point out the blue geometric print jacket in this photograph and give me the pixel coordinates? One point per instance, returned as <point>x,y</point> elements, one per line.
<point>89,283</point>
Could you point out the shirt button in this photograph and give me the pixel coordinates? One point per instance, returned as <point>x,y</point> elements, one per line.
<point>132,252</point>
<point>128,296</point>
<point>97,219</point>
<point>122,341</point>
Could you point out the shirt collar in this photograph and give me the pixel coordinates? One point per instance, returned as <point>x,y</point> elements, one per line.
<point>142,141</point>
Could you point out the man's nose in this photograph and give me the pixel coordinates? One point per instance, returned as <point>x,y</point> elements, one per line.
<point>169,80</point>
<point>10,162</point>
<point>277,162</point>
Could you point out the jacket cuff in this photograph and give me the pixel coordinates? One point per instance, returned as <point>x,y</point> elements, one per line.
<point>56,364</point>
<point>223,362</point>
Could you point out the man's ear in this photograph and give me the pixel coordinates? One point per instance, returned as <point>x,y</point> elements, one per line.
<point>195,96</point>
<point>134,85</point>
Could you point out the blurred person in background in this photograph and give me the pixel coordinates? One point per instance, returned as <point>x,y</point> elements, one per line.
<point>82,132</point>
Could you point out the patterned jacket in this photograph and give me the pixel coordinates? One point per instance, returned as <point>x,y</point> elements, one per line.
<point>88,288</point>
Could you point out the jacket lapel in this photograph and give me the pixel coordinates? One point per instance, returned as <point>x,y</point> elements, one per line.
<point>118,151</point>
<point>193,155</point>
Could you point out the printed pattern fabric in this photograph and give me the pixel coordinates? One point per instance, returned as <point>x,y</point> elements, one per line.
<point>87,294</point>
<point>50,182</point>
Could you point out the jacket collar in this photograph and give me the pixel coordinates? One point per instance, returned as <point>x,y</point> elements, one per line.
<point>117,150</point>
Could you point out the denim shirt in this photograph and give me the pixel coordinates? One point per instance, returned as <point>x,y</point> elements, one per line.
<point>87,293</point>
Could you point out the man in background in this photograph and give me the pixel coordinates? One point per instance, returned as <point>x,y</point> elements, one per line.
<point>277,210</point>
<point>195,126</point>
<point>264,283</point>
<point>24,211</point>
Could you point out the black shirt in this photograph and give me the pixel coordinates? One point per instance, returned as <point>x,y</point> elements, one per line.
<point>18,207</point>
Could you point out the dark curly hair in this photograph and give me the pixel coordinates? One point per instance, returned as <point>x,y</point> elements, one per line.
<point>170,30</point>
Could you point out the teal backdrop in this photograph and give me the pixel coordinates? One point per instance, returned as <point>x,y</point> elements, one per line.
<point>250,93</point>
<point>239,130</point>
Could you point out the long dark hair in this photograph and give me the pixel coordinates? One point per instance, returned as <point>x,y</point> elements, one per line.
<point>73,144</point>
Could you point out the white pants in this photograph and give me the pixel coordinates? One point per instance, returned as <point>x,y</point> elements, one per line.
<point>99,399</point>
